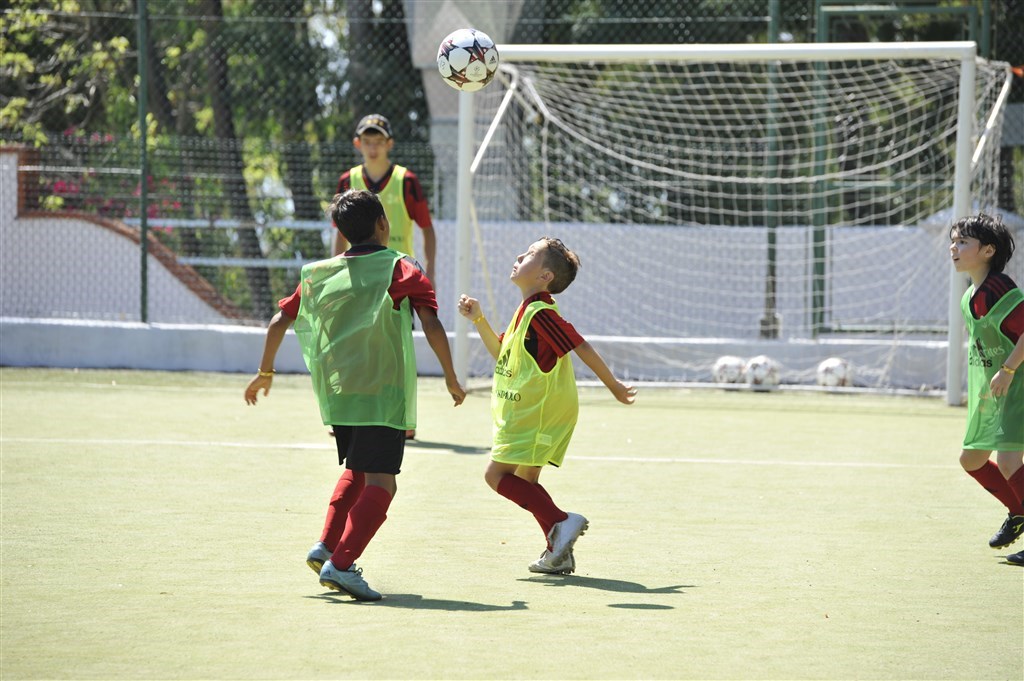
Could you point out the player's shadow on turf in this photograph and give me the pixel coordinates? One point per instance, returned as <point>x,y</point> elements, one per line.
<point>446,447</point>
<point>418,602</point>
<point>616,585</point>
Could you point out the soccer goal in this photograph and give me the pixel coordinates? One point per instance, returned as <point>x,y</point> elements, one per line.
<point>791,200</point>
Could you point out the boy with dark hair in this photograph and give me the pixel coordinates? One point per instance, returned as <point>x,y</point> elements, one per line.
<point>399,190</point>
<point>993,310</point>
<point>534,402</point>
<point>352,318</point>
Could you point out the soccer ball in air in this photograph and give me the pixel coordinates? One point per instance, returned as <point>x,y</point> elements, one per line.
<point>467,59</point>
<point>835,372</point>
<point>762,372</point>
<point>727,369</point>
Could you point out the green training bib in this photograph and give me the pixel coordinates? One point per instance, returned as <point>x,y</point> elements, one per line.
<point>992,422</point>
<point>357,346</point>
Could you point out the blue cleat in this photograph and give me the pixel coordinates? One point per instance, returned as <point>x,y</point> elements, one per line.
<point>1011,530</point>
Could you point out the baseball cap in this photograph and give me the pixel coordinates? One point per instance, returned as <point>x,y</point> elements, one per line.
<point>374,122</point>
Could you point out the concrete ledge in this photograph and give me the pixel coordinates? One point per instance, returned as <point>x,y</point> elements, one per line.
<point>67,343</point>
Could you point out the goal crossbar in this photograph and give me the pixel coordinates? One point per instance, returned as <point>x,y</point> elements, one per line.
<point>951,49</point>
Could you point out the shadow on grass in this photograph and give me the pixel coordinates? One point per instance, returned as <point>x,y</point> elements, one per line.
<point>446,447</point>
<point>616,585</point>
<point>417,602</point>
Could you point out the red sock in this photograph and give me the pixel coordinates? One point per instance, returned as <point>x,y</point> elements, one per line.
<point>993,481</point>
<point>365,518</point>
<point>346,492</point>
<point>1017,484</point>
<point>534,499</point>
<point>546,526</point>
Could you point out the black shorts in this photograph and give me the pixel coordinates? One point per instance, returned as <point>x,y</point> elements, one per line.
<point>370,449</point>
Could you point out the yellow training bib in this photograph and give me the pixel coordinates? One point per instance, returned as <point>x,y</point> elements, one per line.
<point>534,412</point>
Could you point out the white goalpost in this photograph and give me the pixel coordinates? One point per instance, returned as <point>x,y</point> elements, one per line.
<point>783,199</point>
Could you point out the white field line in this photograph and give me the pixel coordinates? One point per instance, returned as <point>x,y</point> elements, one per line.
<point>209,444</point>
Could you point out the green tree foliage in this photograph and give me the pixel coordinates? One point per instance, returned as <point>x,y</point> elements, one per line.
<point>61,67</point>
<point>251,106</point>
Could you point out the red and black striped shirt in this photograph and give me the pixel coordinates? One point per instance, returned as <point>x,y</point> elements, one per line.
<point>549,336</point>
<point>995,286</point>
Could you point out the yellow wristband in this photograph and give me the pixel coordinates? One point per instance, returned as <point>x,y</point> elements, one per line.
<point>261,372</point>
<point>478,319</point>
<point>1009,370</point>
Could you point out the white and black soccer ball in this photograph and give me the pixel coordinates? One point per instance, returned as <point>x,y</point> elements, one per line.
<point>727,369</point>
<point>762,372</point>
<point>835,372</point>
<point>467,59</point>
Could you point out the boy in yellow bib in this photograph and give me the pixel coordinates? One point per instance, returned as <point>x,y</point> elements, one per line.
<point>397,187</point>
<point>399,190</point>
<point>534,401</point>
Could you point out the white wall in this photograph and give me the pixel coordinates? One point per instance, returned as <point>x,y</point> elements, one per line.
<point>69,294</point>
<point>61,267</point>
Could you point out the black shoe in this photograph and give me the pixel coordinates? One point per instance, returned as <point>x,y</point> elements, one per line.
<point>1009,532</point>
<point>1016,558</point>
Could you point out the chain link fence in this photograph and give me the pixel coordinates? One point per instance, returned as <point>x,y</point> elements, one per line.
<point>249,109</point>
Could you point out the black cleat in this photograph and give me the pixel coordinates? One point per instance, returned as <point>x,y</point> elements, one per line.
<point>1016,558</point>
<point>1011,530</point>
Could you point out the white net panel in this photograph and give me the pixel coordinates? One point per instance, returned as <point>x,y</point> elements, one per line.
<point>781,205</point>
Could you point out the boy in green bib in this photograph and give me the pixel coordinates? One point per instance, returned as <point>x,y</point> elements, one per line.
<point>993,310</point>
<point>397,187</point>
<point>352,318</point>
<point>534,402</point>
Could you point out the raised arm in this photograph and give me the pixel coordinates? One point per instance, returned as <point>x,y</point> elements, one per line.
<point>470,309</point>
<point>265,375</point>
<point>623,393</point>
<point>438,340</point>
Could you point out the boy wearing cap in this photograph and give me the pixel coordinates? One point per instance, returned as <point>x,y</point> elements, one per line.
<point>397,187</point>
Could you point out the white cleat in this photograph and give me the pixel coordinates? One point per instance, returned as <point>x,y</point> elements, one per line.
<point>348,581</point>
<point>545,565</point>
<point>564,534</point>
<point>317,556</point>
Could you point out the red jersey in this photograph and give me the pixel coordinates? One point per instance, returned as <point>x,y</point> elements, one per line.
<point>415,200</point>
<point>408,281</point>
<point>549,336</point>
<point>995,286</point>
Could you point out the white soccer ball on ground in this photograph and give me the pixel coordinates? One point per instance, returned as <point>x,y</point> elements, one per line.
<point>728,369</point>
<point>835,372</point>
<point>467,59</point>
<point>762,372</point>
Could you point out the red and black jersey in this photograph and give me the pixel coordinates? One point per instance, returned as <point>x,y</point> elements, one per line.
<point>549,336</point>
<point>415,200</point>
<point>408,281</point>
<point>995,286</point>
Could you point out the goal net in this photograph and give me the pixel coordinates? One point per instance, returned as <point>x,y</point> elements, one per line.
<point>793,201</point>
